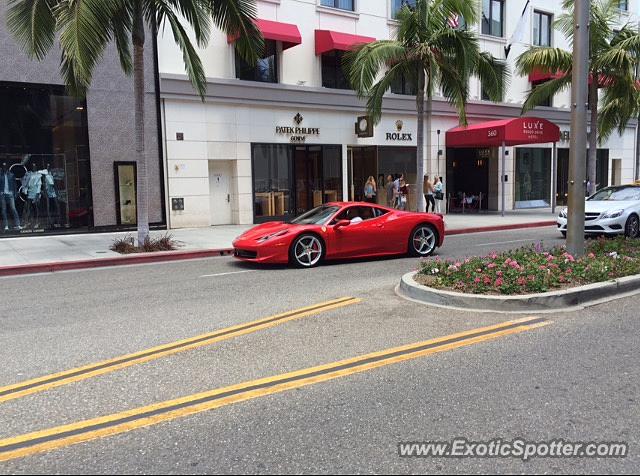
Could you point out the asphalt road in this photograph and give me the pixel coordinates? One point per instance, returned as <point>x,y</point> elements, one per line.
<point>576,378</point>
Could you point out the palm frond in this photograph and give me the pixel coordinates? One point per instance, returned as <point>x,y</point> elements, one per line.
<point>544,91</point>
<point>33,24</point>
<point>237,18</point>
<point>364,63</point>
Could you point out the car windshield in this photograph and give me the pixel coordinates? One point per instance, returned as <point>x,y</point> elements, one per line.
<point>317,216</point>
<point>617,194</point>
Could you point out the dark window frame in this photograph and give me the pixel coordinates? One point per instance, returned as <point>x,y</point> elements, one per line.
<point>623,5</point>
<point>396,6</point>
<point>336,4</point>
<point>338,79</point>
<point>487,26</point>
<point>537,18</point>
<point>242,68</point>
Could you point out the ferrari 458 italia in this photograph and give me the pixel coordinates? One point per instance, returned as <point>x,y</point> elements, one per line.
<point>341,231</point>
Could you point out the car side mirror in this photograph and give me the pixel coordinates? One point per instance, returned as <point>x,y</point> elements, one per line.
<point>342,224</point>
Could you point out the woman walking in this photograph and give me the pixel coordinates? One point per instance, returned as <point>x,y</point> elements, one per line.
<point>428,194</point>
<point>438,192</point>
<point>370,190</point>
<point>389,189</point>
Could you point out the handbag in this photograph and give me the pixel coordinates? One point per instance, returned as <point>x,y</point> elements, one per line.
<point>439,195</point>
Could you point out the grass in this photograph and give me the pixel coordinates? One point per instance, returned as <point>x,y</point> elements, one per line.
<point>127,245</point>
<point>533,269</point>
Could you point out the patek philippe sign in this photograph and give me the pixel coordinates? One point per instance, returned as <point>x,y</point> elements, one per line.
<point>399,136</point>
<point>298,134</point>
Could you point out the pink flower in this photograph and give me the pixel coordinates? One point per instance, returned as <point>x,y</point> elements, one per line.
<point>487,280</point>
<point>477,280</point>
<point>499,282</point>
<point>493,256</point>
<point>543,268</point>
<point>592,256</point>
<point>492,265</point>
<point>500,274</point>
<point>522,281</point>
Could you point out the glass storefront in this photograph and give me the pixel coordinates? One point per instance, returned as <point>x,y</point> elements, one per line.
<point>533,178</point>
<point>470,181</point>
<point>379,163</point>
<point>126,193</point>
<point>289,180</point>
<point>45,180</point>
<point>602,173</point>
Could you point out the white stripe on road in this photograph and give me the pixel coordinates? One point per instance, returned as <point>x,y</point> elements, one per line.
<point>227,274</point>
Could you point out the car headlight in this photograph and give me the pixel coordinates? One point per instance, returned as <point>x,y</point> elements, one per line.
<point>613,214</point>
<point>563,213</point>
<point>273,235</point>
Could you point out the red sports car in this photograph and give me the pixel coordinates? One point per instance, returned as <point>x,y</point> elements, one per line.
<point>341,230</point>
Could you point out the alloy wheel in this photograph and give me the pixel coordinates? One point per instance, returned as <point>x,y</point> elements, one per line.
<point>307,251</point>
<point>423,241</point>
<point>633,227</point>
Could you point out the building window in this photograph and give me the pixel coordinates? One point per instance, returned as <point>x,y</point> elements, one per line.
<point>485,96</point>
<point>396,6</point>
<point>542,28</point>
<point>332,73</point>
<point>405,86</point>
<point>45,173</point>
<point>340,4</point>
<point>549,100</point>
<point>266,68</point>
<point>623,5</point>
<point>493,17</point>
<point>533,170</point>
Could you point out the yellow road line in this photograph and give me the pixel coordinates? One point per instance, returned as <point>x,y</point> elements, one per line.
<point>48,382</point>
<point>117,423</point>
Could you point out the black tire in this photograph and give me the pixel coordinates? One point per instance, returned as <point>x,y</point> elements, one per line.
<point>564,234</point>
<point>632,228</point>
<point>307,251</point>
<point>423,241</point>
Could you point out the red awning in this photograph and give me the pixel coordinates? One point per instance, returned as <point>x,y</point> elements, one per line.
<point>287,33</point>
<point>523,130</point>
<point>327,40</point>
<point>538,76</point>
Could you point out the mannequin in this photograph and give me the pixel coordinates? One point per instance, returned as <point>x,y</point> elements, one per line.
<point>8,192</point>
<point>32,187</point>
<point>51,197</point>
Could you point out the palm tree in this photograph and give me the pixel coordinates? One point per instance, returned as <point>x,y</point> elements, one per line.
<point>611,65</point>
<point>85,28</point>
<point>430,53</point>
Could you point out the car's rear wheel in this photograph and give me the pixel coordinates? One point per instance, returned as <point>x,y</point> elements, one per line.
<point>564,234</point>
<point>632,228</point>
<point>307,251</point>
<point>423,241</point>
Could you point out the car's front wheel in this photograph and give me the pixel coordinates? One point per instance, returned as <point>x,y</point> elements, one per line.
<point>307,251</point>
<point>423,241</point>
<point>632,229</point>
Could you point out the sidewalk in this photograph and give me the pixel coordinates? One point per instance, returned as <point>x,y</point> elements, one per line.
<point>67,248</point>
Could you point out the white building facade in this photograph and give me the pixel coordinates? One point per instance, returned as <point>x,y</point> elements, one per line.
<point>275,140</point>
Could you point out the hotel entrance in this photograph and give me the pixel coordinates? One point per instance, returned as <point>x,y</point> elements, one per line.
<point>468,172</point>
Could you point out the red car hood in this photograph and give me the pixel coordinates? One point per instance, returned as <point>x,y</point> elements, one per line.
<point>265,229</point>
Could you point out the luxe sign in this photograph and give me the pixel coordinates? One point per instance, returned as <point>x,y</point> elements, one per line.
<point>298,134</point>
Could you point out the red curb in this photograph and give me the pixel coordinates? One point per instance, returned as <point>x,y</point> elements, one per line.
<point>196,254</point>
<point>117,261</point>
<point>518,226</point>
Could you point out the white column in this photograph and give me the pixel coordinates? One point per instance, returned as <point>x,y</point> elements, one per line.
<point>345,173</point>
<point>554,177</point>
<point>503,176</point>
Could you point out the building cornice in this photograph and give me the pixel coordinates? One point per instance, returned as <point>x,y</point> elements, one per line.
<point>233,91</point>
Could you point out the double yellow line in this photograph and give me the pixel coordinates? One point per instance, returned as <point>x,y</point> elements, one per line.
<point>87,430</point>
<point>48,382</point>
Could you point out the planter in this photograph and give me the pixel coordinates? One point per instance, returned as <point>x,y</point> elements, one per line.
<point>566,299</point>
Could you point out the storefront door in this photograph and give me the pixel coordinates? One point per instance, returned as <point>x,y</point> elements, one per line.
<point>220,172</point>
<point>468,179</point>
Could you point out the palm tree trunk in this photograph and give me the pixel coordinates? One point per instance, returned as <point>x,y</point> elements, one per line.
<point>420,206</point>
<point>593,137</point>
<point>138,36</point>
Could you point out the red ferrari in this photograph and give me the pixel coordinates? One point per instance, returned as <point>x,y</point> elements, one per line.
<point>339,231</point>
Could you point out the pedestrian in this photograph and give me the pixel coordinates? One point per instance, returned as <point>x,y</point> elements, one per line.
<point>428,194</point>
<point>8,193</point>
<point>370,190</point>
<point>403,195</point>
<point>389,188</point>
<point>438,193</point>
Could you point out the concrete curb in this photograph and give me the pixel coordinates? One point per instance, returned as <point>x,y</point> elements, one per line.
<point>555,301</point>
<point>142,258</point>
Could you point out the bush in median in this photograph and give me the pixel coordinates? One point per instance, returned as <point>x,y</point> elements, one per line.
<point>534,270</point>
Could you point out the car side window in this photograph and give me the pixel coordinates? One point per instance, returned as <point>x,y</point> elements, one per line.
<point>378,212</point>
<point>356,214</point>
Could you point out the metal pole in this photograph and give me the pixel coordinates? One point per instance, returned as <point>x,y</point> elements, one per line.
<point>578,147</point>
<point>554,178</point>
<point>503,177</point>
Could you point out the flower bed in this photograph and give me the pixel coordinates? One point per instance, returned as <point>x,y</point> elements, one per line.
<point>533,270</point>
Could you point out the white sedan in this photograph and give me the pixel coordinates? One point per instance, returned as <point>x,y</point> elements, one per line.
<point>611,211</point>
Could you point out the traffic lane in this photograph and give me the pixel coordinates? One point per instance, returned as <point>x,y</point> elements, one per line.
<point>576,379</point>
<point>94,315</point>
<point>380,321</point>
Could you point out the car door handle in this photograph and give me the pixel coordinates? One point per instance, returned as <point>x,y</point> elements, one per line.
<point>380,225</point>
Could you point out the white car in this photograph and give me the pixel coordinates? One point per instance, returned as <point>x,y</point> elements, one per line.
<point>611,211</point>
